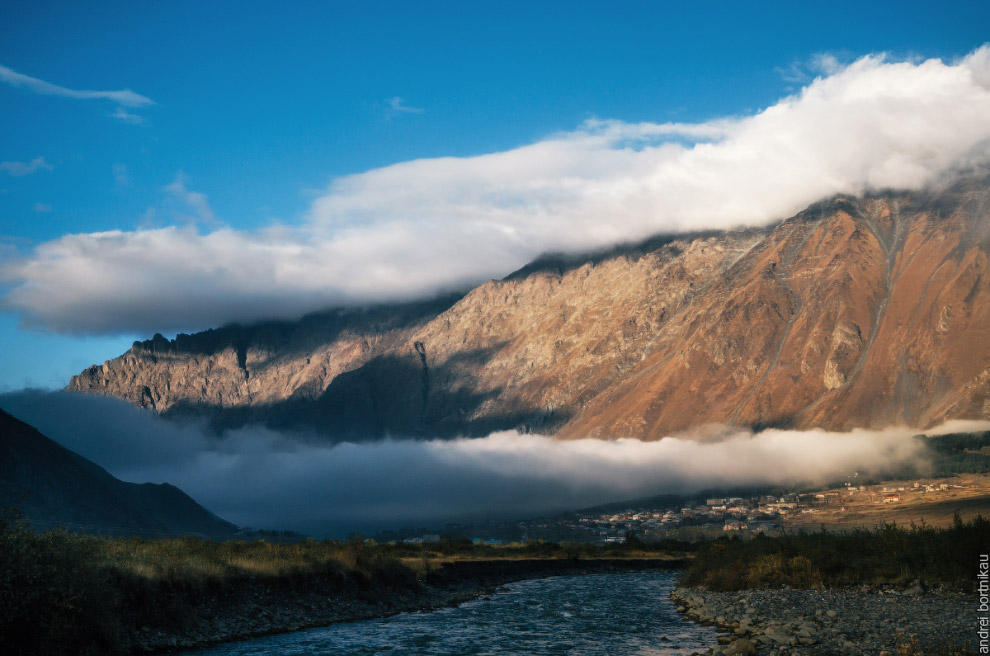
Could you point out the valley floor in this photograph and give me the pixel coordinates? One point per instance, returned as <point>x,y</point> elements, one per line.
<point>932,501</point>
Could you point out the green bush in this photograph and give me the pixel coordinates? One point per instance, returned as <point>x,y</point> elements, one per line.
<point>777,570</point>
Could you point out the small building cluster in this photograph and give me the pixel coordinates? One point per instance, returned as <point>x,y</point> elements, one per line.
<point>701,517</point>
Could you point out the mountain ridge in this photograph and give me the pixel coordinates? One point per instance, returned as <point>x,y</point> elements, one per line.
<point>857,311</point>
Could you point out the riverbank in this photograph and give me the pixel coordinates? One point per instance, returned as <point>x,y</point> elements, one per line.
<point>66,594</point>
<point>258,608</point>
<point>890,590</point>
<point>854,621</point>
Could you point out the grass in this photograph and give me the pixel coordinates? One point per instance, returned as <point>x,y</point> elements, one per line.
<point>196,560</point>
<point>447,549</point>
<point>889,555</point>
<point>65,593</point>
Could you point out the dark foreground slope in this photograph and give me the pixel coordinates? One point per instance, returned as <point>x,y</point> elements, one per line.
<point>858,311</point>
<point>52,486</point>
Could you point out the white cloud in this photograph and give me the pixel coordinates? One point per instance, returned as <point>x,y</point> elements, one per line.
<point>795,72</point>
<point>42,207</point>
<point>127,117</point>
<point>122,98</point>
<point>193,201</point>
<point>506,474</point>
<point>959,426</point>
<point>398,105</point>
<point>25,168</point>
<point>120,175</point>
<point>259,477</point>
<point>802,72</point>
<point>419,226</point>
<point>826,63</point>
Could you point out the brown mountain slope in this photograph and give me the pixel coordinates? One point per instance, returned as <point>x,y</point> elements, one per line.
<point>855,312</point>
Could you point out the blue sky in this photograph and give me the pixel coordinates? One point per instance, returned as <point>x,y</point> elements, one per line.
<point>246,114</point>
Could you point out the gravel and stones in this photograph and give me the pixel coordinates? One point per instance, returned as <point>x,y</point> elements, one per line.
<point>879,622</point>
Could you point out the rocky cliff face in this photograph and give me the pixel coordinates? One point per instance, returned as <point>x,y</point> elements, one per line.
<point>264,364</point>
<point>856,312</point>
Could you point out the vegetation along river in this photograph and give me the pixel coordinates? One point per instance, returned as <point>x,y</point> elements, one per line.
<point>579,614</point>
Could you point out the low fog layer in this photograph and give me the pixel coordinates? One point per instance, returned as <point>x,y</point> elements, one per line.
<point>256,477</point>
<point>421,226</point>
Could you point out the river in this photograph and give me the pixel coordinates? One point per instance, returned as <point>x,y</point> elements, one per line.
<point>581,614</point>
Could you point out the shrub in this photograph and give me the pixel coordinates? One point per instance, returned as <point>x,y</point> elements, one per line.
<point>52,600</point>
<point>886,555</point>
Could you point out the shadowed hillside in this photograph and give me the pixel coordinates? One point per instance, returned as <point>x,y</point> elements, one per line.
<point>52,486</point>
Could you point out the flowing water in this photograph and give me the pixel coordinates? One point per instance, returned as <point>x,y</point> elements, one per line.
<point>578,615</point>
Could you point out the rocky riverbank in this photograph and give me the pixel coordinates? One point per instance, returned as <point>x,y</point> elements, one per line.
<point>862,621</point>
<point>259,609</point>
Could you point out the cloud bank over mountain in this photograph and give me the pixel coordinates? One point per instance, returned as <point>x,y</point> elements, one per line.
<point>258,477</point>
<point>418,227</point>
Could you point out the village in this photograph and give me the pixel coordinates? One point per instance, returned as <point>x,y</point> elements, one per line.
<point>846,507</point>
